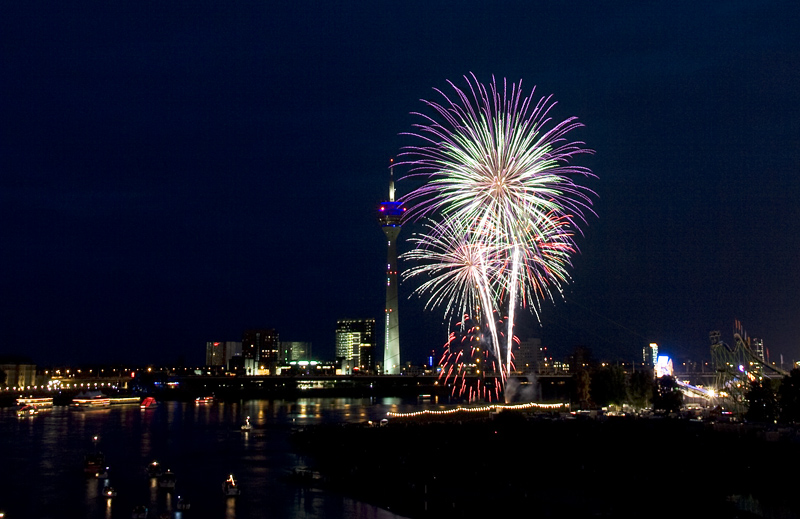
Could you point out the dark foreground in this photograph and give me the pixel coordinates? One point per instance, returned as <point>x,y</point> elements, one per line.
<point>515,464</point>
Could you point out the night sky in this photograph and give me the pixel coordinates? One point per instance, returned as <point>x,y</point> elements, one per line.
<point>176,172</point>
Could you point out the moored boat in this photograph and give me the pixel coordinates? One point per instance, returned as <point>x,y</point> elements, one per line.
<point>204,400</point>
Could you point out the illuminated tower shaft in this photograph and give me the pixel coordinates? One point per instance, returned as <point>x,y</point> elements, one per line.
<point>390,214</point>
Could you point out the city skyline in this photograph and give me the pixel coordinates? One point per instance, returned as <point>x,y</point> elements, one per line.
<point>178,175</point>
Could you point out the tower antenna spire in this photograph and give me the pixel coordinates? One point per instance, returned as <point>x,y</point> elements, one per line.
<point>391,180</point>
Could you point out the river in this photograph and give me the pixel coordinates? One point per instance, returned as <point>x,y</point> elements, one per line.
<point>42,459</point>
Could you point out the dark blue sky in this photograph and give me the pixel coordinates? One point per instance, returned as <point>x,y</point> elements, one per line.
<point>172,173</point>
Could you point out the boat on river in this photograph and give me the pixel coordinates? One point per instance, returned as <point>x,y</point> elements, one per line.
<point>148,403</point>
<point>91,399</point>
<point>93,463</point>
<point>38,402</point>
<point>247,426</point>
<point>125,400</point>
<point>230,488</point>
<point>167,480</point>
<point>27,410</point>
<point>154,469</point>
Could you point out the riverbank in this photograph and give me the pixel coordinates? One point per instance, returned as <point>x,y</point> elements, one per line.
<point>513,463</point>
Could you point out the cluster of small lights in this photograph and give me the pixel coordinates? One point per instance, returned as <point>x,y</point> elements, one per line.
<point>57,386</point>
<point>481,409</point>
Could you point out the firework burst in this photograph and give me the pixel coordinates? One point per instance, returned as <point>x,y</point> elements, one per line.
<point>501,205</point>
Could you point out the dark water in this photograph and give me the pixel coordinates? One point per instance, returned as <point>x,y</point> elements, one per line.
<point>41,459</point>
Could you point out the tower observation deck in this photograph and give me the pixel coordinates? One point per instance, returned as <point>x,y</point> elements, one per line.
<point>390,214</point>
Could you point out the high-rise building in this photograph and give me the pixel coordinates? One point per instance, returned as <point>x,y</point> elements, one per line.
<point>260,349</point>
<point>219,353</point>
<point>355,344</point>
<point>390,215</point>
<point>650,354</point>
<point>757,347</point>
<point>293,350</point>
<point>529,356</point>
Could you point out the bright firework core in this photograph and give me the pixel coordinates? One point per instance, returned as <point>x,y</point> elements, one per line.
<point>501,209</point>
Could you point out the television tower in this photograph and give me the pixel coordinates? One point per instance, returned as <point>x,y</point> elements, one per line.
<point>389,215</point>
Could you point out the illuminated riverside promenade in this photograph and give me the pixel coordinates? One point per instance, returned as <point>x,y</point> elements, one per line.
<point>168,385</point>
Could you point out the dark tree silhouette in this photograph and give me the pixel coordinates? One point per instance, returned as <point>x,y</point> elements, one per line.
<point>608,386</point>
<point>789,397</point>
<point>762,401</point>
<point>667,396</point>
<point>581,385</point>
<point>640,389</point>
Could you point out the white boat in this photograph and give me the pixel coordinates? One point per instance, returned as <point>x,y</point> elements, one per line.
<point>230,487</point>
<point>247,425</point>
<point>91,399</point>
<point>36,401</point>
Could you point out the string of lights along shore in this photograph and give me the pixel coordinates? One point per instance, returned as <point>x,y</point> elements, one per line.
<point>390,215</point>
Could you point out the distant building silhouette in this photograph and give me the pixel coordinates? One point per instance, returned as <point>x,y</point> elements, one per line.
<point>19,371</point>
<point>260,350</point>
<point>530,356</point>
<point>293,350</point>
<point>650,354</point>
<point>219,353</point>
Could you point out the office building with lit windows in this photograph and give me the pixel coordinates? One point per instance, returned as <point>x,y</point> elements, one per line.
<point>261,350</point>
<point>355,345</point>
<point>219,353</point>
<point>295,350</point>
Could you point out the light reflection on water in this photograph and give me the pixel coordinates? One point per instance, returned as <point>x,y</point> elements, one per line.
<point>202,444</point>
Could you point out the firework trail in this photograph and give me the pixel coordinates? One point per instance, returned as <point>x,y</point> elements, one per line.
<point>500,203</point>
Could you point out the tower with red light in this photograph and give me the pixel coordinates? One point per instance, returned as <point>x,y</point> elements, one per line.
<point>390,214</point>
